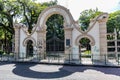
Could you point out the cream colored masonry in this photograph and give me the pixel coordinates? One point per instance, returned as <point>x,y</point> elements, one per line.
<point>96,33</point>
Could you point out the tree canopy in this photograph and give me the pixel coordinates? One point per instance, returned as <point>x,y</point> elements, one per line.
<point>23,11</point>
<point>55,26</point>
<point>114,23</point>
<point>86,16</point>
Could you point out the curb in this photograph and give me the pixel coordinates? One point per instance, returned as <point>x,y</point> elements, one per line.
<point>65,64</point>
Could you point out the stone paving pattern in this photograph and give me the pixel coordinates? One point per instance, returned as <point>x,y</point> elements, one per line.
<point>32,71</point>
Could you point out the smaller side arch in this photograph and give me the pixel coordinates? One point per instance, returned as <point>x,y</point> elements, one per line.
<point>92,41</point>
<point>27,39</point>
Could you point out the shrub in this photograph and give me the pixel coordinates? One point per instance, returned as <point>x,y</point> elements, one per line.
<point>1,52</point>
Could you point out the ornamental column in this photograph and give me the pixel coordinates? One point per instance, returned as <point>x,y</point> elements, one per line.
<point>103,37</point>
<point>17,40</point>
<point>41,42</point>
<point>68,42</point>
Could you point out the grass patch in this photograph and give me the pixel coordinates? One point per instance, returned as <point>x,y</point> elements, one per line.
<point>87,52</point>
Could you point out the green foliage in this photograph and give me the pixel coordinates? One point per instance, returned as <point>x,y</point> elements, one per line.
<point>1,34</point>
<point>84,41</point>
<point>31,10</point>
<point>1,52</point>
<point>114,23</point>
<point>55,26</point>
<point>9,9</point>
<point>87,52</point>
<point>11,54</point>
<point>25,11</point>
<point>86,16</point>
<point>51,3</point>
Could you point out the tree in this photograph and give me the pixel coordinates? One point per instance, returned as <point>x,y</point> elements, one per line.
<point>55,26</point>
<point>114,23</point>
<point>26,11</point>
<point>31,10</point>
<point>84,21</point>
<point>85,17</point>
<point>8,10</point>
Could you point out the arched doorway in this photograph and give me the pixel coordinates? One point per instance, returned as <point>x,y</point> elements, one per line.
<point>55,34</point>
<point>68,27</point>
<point>29,48</point>
<point>85,44</point>
<point>85,50</point>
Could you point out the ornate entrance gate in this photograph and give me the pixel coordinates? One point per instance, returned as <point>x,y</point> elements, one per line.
<point>54,48</point>
<point>55,36</point>
<point>55,45</point>
<point>96,32</point>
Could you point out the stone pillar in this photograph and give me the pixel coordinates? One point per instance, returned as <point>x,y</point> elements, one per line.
<point>68,42</point>
<point>41,42</point>
<point>17,40</point>
<point>103,38</point>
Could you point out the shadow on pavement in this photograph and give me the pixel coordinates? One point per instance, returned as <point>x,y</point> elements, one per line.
<point>25,71</point>
<point>105,70</point>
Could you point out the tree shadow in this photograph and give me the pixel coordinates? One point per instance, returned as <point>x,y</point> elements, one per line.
<point>105,70</point>
<point>25,71</point>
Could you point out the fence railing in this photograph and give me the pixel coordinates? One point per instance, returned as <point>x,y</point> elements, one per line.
<point>105,59</point>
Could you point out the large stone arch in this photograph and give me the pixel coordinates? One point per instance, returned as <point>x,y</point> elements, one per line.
<point>68,22</point>
<point>57,9</point>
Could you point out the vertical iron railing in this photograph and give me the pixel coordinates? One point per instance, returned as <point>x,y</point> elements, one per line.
<point>108,59</point>
<point>105,56</point>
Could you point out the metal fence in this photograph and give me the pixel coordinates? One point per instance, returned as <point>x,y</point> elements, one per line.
<point>111,59</point>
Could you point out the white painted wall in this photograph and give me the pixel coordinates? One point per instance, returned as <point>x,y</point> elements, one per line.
<point>75,48</point>
<point>95,50</point>
<point>34,35</point>
<point>22,48</point>
<point>94,32</point>
<point>23,36</point>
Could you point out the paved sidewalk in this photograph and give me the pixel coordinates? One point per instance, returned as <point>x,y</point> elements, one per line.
<point>31,71</point>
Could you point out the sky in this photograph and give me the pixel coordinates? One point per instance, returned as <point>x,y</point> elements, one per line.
<point>77,6</point>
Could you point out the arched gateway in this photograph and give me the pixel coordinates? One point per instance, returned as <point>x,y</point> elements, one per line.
<point>72,33</point>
